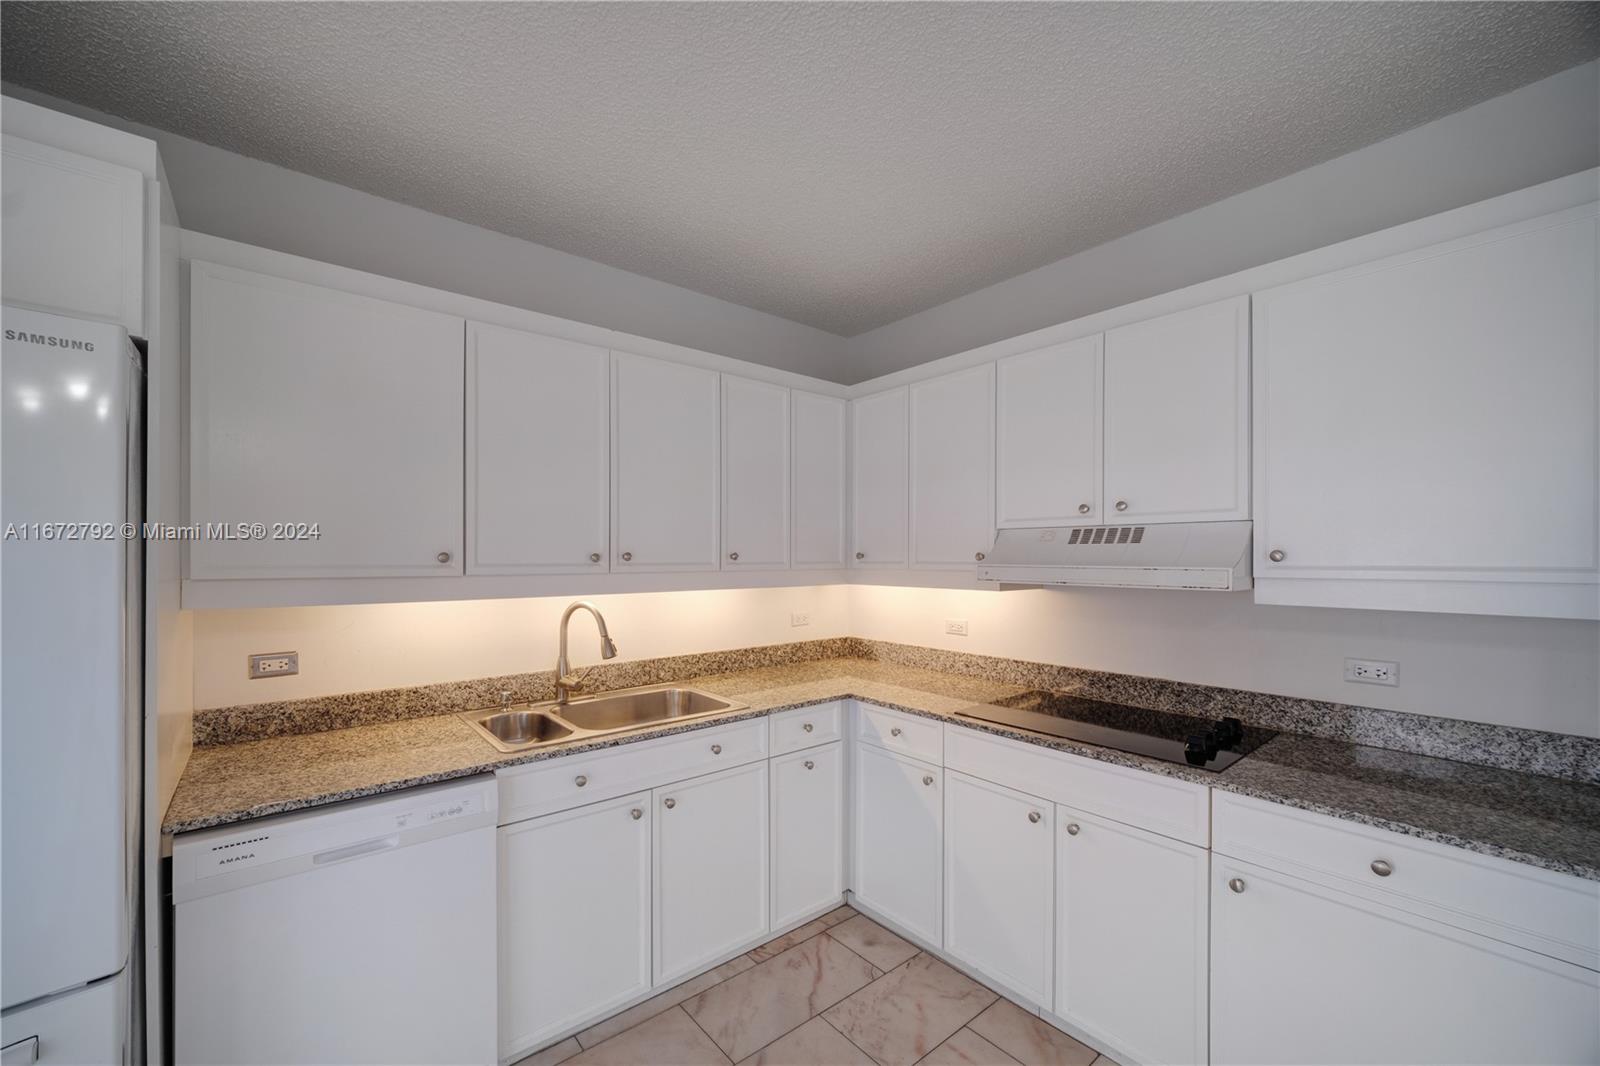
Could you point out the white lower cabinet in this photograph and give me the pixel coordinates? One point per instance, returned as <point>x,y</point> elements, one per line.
<point>999,871</point>
<point>1305,973</point>
<point>1131,930</point>
<point>898,836</point>
<point>711,848</point>
<point>574,918</point>
<point>807,832</point>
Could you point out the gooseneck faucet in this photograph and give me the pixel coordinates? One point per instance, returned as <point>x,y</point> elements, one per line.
<point>566,684</point>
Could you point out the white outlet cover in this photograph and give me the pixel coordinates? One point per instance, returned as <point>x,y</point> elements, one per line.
<point>955,627</point>
<point>1372,672</point>
<point>799,618</point>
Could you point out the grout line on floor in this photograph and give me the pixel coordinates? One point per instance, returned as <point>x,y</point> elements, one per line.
<point>846,1035</point>
<point>709,1037</point>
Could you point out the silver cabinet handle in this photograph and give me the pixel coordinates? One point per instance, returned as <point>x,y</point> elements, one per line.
<point>861,555</point>
<point>810,765</point>
<point>1236,884</point>
<point>1122,505</point>
<point>594,557</point>
<point>895,731</point>
<point>927,779</point>
<point>1034,816</point>
<point>1276,555</point>
<point>1072,829</point>
<point>443,557</point>
<point>978,556</point>
<point>669,803</point>
<point>636,813</point>
<point>716,749</point>
<point>734,556</point>
<point>808,727</point>
<point>627,557</point>
<point>1381,867</point>
<point>580,780</point>
<point>1083,508</point>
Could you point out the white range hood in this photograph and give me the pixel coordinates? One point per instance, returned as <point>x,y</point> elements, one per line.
<point>1179,555</point>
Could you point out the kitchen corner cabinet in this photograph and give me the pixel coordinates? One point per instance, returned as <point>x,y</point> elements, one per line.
<point>712,840</point>
<point>1427,426</point>
<point>315,407</point>
<point>574,918</point>
<point>952,469</point>
<point>755,475</point>
<point>999,874</point>
<point>898,832</point>
<point>1177,416</point>
<point>879,485</point>
<point>807,832</point>
<point>538,453</point>
<point>819,456</point>
<point>1131,938</point>
<point>665,465</point>
<point>1048,460</point>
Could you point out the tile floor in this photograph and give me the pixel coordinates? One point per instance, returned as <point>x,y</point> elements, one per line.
<point>838,991</point>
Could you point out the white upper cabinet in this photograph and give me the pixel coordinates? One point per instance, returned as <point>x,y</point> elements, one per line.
<point>1426,428</point>
<point>538,453</point>
<point>665,465</point>
<point>952,468</point>
<point>311,406</point>
<point>755,475</point>
<point>73,233</point>
<point>879,480</point>
<point>1177,416</point>
<point>819,458</point>
<point>1047,439</point>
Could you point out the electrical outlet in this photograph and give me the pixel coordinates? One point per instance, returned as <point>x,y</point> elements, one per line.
<point>275,664</point>
<point>799,618</point>
<point>955,627</point>
<point>1372,671</point>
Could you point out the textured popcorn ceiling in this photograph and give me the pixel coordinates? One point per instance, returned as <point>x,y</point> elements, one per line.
<point>841,164</point>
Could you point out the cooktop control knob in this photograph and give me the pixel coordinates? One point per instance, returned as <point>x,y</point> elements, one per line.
<point>1201,748</point>
<point>1229,732</point>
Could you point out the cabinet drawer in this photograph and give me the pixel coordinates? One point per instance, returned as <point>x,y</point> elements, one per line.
<point>1552,913</point>
<point>554,785</point>
<point>804,727</point>
<point>920,738</point>
<point>1160,804</point>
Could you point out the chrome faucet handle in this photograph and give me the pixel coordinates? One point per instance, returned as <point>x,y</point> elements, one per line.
<point>505,698</point>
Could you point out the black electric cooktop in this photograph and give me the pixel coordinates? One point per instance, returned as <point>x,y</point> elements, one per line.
<point>1206,743</point>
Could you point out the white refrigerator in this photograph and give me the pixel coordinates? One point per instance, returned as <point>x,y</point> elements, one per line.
<point>71,649</point>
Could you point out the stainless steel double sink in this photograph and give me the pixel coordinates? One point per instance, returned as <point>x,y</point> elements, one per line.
<point>538,724</point>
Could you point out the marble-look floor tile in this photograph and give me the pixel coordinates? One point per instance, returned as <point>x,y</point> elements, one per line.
<point>639,1012</point>
<point>552,1055</point>
<point>798,935</point>
<point>815,1043</point>
<point>909,1011</point>
<point>873,942</point>
<point>838,914</point>
<point>748,1012</point>
<point>671,1038</point>
<point>967,1048</point>
<point>1029,1038</point>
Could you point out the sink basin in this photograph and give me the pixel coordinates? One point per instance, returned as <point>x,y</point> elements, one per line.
<point>538,724</point>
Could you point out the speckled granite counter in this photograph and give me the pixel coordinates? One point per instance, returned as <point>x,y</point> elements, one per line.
<point>1546,822</point>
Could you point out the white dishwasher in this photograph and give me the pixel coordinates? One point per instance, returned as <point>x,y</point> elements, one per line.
<point>358,933</point>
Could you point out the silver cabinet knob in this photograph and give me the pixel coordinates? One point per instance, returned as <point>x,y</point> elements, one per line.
<point>1276,555</point>
<point>1034,816</point>
<point>927,779</point>
<point>861,555</point>
<point>669,803</point>
<point>636,813</point>
<point>810,765</point>
<point>580,780</point>
<point>978,556</point>
<point>1083,508</point>
<point>1072,829</point>
<point>1381,867</point>
<point>1236,884</point>
<point>808,727</point>
<point>627,557</point>
<point>716,749</point>
<point>734,556</point>
<point>443,557</point>
<point>1122,505</point>
<point>594,557</point>
<point>895,731</point>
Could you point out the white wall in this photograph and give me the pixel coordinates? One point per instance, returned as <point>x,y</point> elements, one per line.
<point>354,648</point>
<point>1536,673</point>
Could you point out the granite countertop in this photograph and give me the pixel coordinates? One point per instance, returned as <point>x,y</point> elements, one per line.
<point>1547,822</point>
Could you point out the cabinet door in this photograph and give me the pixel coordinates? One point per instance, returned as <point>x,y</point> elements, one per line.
<point>73,234</point>
<point>818,515</point>
<point>952,469</point>
<point>755,475</point>
<point>556,970</point>
<point>898,836</point>
<point>1177,416</point>
<point>665,465</point>
<point>879,480</point>
<point>310,405</point>
<point>1427,424</point>
<point>1047,436</point>
<point>1304,974</point>
<point>999,869</point>
<point>711,868</point>
<point>1131,912</point>
<point>807,832</point>
<point>538,453</point>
